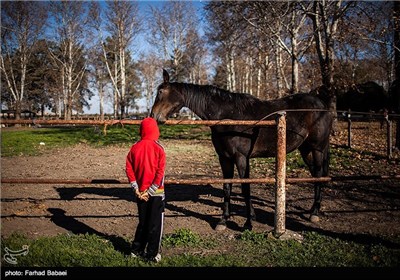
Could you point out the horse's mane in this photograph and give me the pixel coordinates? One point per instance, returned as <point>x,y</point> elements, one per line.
<point>200,95</point>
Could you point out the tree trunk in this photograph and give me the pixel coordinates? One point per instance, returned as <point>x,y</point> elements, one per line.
<point>396,87</point>
<point>295,66</point>
<point>278,66</point>
<point>324,35</point>
<point>258,81</point>
<point>232,69</point>
<point>123,81</point>
<point>101,100</point>
<point>247,76</point>
<point>116,90</point>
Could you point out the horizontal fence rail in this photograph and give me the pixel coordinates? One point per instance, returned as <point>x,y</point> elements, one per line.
<point>267,180</point>
<point>136,122</point>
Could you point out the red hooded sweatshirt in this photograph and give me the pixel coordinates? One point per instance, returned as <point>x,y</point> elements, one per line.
<point>145,162</point>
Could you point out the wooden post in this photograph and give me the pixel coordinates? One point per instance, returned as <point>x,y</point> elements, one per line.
<point>280,176</point>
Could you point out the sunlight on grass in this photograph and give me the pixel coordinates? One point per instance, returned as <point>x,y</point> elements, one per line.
<point>249,249</point>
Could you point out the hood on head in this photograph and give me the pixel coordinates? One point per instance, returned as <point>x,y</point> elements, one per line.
<point>149,129</point>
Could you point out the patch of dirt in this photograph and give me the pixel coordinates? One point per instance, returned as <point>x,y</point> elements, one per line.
<point>355,209</point>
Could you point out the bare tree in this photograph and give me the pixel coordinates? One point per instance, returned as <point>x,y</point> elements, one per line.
<point>149,68</point>
<point>170,28</point>
<point>281,23</point>
<point>70,31</point>
<point>21,26</point>
<point>326,16</point>
<point>195,56</point>
<point>364,43</point>
<point>122,25</point>
<point>225,32</point>
<point>99,76</point>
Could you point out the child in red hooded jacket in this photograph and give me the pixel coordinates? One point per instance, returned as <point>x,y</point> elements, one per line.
<point>145,167</point>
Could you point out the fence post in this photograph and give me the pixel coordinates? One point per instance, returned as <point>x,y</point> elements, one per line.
<point>280,176</point>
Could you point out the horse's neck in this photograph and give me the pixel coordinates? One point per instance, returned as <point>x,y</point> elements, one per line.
<point>197,101</point>
<point>208,104</point>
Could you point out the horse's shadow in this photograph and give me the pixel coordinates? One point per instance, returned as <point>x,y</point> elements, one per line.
<point>198,194</point>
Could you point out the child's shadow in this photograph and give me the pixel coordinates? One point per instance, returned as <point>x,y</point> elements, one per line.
<point>73,225</point>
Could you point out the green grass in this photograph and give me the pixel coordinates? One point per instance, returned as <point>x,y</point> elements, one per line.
<point>198,132</point>
<point>182,237</point>
<point>248,249</point>
<point>28,141</point>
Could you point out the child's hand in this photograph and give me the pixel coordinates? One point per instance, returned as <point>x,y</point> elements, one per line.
<point>144,196</point>
<point>137,193</point>
<point>135,188</point>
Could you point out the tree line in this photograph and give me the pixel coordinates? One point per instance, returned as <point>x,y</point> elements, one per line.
<point>57,55</point>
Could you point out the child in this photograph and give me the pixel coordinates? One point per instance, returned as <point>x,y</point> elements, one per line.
<point>145,167</point>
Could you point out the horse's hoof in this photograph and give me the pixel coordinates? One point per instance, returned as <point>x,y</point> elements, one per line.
<point>220,227</point>
<point>314,218</point>
<point>248,226</point>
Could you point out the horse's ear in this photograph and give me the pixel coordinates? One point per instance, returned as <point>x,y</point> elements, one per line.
<point>165,76</point>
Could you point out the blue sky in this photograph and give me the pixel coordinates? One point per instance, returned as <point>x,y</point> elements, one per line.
<point>143,47</point>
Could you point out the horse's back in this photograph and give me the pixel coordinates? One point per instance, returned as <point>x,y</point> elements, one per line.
<point>309,117</point>
<point>303,101</point>
<point>307,120</point>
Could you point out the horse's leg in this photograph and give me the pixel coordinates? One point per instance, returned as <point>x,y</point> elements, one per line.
<point>321,168</point>
<point>242,164</point>
<point>227,168</point>
<point>313,159</point>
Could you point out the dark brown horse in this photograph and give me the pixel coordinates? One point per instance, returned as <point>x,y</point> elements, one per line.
<point>308,129</point>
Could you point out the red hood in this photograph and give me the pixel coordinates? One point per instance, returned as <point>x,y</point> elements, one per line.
<point>149,129</point>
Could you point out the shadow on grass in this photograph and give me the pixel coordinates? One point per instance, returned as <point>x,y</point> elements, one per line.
<point>76,227</point>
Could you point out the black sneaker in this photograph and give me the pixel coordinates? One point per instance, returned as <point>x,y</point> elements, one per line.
<point>137,254</point>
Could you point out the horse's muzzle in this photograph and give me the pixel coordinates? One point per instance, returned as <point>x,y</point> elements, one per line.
<point>158,117</point>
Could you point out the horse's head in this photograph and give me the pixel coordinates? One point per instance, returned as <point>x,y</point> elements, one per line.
<point>168,100</point>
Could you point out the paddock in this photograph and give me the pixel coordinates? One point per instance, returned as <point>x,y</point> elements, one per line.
<point>367,207</point>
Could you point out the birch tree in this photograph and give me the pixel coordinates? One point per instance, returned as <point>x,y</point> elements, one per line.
<point>225,33</point>
<point>195,57</point>
<point>69,31</point>
<point>149,68</point>
<point>170,28</point>
<point>122,25</point>
<point>21,26</point>
<point>283,24</point>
